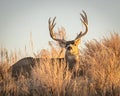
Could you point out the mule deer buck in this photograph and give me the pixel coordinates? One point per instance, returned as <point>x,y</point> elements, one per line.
<point>72,57</point>
<point>72,52</point>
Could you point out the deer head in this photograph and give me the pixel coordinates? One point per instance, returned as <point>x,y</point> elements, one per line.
<point>72,51</point>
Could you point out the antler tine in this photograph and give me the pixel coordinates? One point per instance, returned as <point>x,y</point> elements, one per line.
<point>51,27</point>
<point>84,17</point>
<point>85,22</point>
<point>53,22</point>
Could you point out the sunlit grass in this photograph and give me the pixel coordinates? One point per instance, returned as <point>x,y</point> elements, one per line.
<point>100,64</point>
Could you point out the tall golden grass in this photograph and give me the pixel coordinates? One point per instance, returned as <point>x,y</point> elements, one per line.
<point>100,65</point>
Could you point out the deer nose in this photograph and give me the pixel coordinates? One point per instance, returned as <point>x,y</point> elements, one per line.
<point>69,48</point>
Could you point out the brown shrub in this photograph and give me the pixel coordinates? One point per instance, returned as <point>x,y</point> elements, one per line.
<point>102,65</point>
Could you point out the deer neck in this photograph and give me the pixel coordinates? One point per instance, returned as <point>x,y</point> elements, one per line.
<point>72,59</point>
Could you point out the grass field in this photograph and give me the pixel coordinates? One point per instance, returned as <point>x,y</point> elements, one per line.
<point>99,64</point>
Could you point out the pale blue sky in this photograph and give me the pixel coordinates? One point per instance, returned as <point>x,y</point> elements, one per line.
<point>20,17</point>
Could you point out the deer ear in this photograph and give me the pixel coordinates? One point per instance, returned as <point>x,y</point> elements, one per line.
<point>77,41</point>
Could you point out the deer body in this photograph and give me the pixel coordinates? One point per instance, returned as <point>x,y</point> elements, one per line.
<point>25,65</point>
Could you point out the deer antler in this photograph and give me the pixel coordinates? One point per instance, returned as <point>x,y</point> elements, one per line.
<point>51,27</point>
<point>85,22</point>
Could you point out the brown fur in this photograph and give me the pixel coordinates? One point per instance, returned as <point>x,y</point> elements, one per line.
<point>25,65</point>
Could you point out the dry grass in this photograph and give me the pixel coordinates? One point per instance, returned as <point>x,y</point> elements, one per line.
<point>102,60</point>
<point>100,64</point>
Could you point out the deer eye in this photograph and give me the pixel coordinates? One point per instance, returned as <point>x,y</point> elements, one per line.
<point>66,45</point>
<point>72,43</point>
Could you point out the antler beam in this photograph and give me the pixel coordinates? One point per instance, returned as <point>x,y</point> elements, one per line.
<point>51,27</point>
<point>85,22</point>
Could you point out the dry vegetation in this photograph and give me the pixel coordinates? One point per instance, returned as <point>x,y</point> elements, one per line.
<point>100,64</point>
